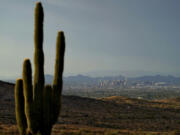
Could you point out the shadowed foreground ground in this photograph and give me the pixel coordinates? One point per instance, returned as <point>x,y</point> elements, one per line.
<point>105,116</point>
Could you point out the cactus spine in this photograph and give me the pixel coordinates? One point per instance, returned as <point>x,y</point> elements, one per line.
<point>38,106</point>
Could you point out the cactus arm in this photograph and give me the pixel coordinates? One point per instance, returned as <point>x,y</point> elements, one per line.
<point>58,78</point>
<point>28,95</point>
<point>19,108</point>
<point>59,61</point>
<point>27,81</point>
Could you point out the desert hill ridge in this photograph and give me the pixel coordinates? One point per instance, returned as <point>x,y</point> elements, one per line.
<point>80,78</point>
<point>114,112</point>
<point>5,83</point>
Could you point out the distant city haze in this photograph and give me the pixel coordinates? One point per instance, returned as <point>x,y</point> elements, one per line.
<point>103,37</point>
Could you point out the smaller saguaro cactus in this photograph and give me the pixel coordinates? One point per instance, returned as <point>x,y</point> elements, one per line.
<point>37,106</point>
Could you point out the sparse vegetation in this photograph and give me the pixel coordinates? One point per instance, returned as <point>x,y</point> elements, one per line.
<point>141,93</point>
<point>114,114</point>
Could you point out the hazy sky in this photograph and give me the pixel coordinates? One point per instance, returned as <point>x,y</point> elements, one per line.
<point>101,35</point>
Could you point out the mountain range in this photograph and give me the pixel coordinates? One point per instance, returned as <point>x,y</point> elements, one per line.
<point>90,80</point>
<point>84,79</point>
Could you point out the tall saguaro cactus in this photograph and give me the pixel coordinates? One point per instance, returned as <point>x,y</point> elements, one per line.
<point>38,106</point>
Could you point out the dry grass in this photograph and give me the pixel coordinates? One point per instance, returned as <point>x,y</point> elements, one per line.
<point>85,130</point>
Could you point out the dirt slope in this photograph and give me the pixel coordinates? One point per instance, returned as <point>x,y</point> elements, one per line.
<point>112,112</point>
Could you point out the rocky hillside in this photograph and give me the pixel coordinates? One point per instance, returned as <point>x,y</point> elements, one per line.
<point>111,113</point>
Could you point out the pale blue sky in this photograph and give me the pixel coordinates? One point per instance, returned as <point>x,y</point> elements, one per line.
<point>101,35</point>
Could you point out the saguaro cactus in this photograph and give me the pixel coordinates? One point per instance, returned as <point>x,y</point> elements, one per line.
<point>38,106</point>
